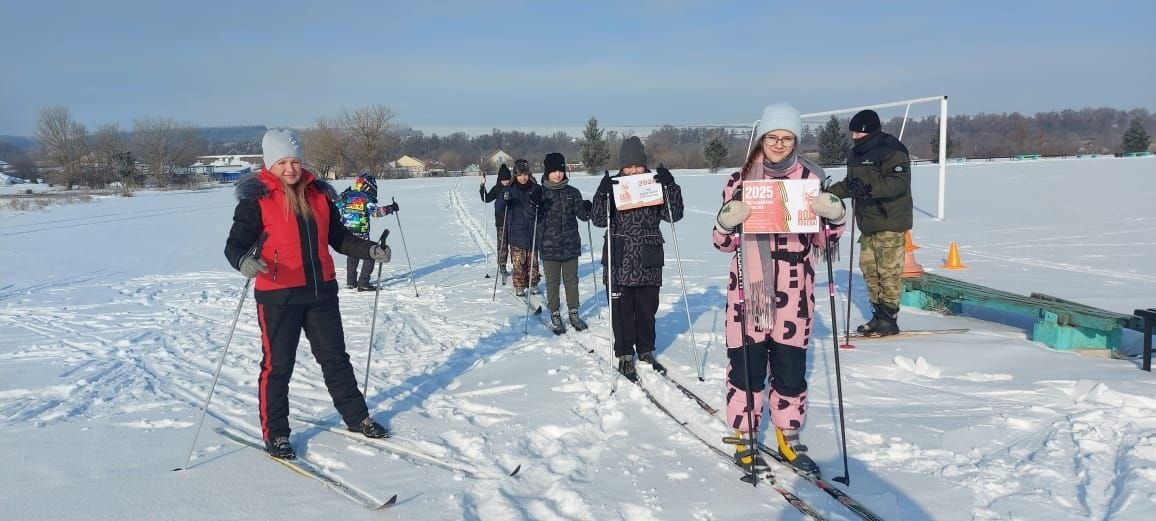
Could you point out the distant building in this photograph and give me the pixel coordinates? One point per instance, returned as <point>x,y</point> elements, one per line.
<point>226,168</point>
<point>493,160</point>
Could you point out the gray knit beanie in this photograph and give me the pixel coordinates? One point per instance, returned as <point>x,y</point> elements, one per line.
<point>279,144</point>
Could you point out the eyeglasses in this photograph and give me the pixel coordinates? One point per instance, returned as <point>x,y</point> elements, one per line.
<point>784,140</point>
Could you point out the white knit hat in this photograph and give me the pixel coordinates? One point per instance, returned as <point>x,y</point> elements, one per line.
<point>780,116</point>
<point>278,144</point>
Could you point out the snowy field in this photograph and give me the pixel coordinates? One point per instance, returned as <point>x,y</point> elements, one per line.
<point>114,314</point>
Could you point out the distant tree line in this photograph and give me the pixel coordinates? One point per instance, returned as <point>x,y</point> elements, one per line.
<point>367,139</point>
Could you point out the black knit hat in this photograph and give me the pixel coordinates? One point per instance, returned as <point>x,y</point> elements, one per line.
<point>631,153</point>
<point>522,165</point>
<point>865,121</point>
<point>504,173</point>
<point>554,162</point>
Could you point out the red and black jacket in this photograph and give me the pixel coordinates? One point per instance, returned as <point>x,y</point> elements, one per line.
<point>297,251</point>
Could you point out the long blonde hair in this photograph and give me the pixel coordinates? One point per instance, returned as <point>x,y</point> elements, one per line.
<point>295,200</point>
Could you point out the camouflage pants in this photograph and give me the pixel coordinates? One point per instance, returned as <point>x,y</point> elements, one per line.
<point>525,268</point>
<point>882,265</point>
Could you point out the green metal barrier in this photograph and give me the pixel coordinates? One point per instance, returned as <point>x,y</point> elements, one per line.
<point>1058,323</point>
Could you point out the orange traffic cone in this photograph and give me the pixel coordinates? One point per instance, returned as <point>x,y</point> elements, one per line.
<point>910,244</point>
<point>953,262</point>
<point>911,269</point>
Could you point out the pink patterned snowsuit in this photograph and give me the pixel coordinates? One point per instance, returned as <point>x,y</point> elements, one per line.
<point>779,353</point>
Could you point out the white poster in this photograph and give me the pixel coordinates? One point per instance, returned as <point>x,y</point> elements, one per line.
<point>636,191</point>
<point>781,206</point>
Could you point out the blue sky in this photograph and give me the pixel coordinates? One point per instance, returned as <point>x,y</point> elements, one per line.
<point>522,64</point>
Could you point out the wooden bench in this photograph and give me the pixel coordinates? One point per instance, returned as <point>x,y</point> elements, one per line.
<point>1058,323</point>
<point>1149,316</point>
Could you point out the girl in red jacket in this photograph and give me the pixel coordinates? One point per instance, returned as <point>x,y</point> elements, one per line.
<point>296,287</point>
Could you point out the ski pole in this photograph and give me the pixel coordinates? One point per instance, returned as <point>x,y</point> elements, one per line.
<point>593,266</point>
<point>373,321</point>
<point>850,271</point>
<point>531,263</point>
<point>846,477</point>
<point>742,301</point>
<point>254,250</point>
<point>682,278</point>
<point>503,244</point>
<point>610,285</point>
<point>404,247</point>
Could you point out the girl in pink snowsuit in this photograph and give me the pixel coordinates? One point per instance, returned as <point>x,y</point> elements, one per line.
<point>778,280</point>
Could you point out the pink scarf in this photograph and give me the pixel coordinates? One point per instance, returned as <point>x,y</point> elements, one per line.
<point>759,270</point>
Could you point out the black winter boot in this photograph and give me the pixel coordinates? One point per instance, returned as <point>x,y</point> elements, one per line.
<point>888,322</point>
<point>576,321</point>
<point>556,324</point>
<point>370,429</point>
<point>871,324</point>
<point>626,367</point>
<point>280,448</point>
<point>648,357</point>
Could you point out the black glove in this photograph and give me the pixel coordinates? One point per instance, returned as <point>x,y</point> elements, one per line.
<point>536,195</point>
<point>604,185</point>
<point>857,189</point>
<point>664,177</point>
<point>586,206</point>
<point>390,208</point>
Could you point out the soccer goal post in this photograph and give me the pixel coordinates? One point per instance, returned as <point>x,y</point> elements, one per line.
<point>887,113</point>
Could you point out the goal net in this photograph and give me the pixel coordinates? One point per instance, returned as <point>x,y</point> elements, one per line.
<point>921,124</point>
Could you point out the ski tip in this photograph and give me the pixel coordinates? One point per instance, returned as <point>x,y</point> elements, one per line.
<point>846,346</point>
<point>516,471</point>
<point>389,502</point>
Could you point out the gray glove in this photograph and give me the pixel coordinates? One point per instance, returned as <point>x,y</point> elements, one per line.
<point>731,215</point>
<point>829,207</point>
<point>380,254</point>
<point>250,265</point>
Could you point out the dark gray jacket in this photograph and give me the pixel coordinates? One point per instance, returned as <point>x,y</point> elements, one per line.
<point>638,254</point>
<point>558,214</point>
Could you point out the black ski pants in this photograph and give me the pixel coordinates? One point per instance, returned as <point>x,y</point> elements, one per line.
<point>281,327</point>
<point>634,308</point>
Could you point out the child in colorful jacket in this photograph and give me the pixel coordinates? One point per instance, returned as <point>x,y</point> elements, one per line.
<point>357,204</point>
<point>777,293</point>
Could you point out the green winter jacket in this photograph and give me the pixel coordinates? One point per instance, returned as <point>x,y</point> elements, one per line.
<point>882,162</point>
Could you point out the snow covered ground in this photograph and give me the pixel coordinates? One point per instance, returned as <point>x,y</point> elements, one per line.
<point>114,314</point>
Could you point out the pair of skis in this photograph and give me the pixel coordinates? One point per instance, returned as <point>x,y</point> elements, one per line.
<point>842,497</point>
<point>308,469</point>
<point>305,468</point>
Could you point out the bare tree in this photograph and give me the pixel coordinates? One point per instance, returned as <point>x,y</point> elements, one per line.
<point>105,143</point>
<point>163,144</point>
<point>62,141</point>
<point>370,136</point>
<point>324,147</point>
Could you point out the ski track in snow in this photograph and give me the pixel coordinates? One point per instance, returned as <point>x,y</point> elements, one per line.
<point>146,358</point>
